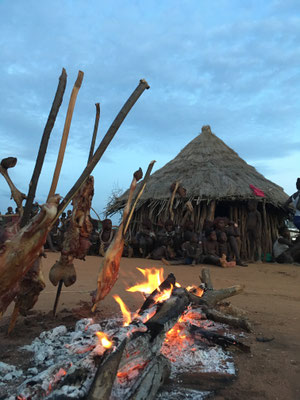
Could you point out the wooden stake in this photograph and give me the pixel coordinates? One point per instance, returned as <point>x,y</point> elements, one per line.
<point>43,146</point>
<point>95,131</point>
<point>13,319</point>
<point>172,201</point>
<point>65,134</point>
<point>143,185</point>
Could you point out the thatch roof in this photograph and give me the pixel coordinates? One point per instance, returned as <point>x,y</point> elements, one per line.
<point>208,169</point>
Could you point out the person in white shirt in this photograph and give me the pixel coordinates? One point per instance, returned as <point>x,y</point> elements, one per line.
<point>295,200</point>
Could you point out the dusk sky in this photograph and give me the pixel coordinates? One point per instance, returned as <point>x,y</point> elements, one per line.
<point>233,65</point>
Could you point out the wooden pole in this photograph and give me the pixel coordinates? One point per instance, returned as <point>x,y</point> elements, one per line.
<point>211,210</point>
<point>104,143</point>
<point>65,134</point>
<point>95,131</point>
<point>172,201</point>
<point>143,185</point>
<point>43,146</point>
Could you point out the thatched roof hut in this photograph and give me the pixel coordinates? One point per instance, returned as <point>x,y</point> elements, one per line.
<point>217,183</point>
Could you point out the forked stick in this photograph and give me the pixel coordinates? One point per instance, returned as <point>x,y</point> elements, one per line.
<point>18,197</point>
<point>65,134</point>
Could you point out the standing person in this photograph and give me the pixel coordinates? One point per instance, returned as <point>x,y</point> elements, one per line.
<point>9,211</point>
<point>106,236</point>
<point>295,199</point>
<point>253,228</point>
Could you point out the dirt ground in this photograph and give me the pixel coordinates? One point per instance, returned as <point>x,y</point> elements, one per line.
<point>271,299</point>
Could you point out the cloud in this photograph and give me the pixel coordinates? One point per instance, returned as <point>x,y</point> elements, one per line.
<point>231,65</point>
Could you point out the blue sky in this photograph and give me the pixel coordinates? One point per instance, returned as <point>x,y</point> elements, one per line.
<point>233,65</point>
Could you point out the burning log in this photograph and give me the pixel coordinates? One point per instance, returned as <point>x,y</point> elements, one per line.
<point>104,379</point>
<point>156,372</point>
<point>167,284</point>
<point>18,255</point>
<point>142,369</point>
<point>212,297</point>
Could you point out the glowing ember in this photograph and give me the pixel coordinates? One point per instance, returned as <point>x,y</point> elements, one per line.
<point>124,309</point>
<point>106,343</point>
<point>130,371</point>
<point>198,291</point>
<point>56,379</point>
<point>154,277</point>
<point>177,284</point>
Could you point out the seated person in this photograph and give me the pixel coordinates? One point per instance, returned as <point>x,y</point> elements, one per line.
<point>282,247</point>
<point>143,242</point>
<point>211,251</point>
<point>223,244</point>
<point>233,234</point>
<point>106,236</point>
<point>94,238</point>
<point>188,231</point>
<point>164,246</point>
<point>192,250</point>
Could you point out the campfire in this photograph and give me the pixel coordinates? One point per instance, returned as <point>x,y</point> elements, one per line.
<point>151,352</point>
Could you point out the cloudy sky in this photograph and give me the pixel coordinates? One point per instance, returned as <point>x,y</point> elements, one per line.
<point>230,64</point>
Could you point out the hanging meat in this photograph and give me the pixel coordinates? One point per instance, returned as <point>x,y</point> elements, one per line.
<point>109,270</point>
<point>19,253</point>
<point>76,239</point>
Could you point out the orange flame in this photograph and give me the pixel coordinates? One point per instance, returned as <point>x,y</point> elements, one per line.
<point>164,295</point>
<point>124,309</point>
<point>154,277</point>
<point>106,343</point>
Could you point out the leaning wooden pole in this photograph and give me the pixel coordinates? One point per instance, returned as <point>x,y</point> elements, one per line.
<point>65,134</point>
<point>43,146</point>
<point>104,143</point>
<point>94,132</point>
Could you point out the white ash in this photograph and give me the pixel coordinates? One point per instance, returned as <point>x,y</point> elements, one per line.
<point>74,351</point>
<point>182,394</point>
<point>9,372</point>
<point>55,349</point>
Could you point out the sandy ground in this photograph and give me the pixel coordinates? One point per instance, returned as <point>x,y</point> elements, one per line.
<point>271,299</point>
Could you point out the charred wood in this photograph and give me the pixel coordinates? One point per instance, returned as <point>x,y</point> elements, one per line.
<point>205,278</point>
<point>152,378</point>
<point>106,373</point>
<point>217,338</point>
<point>236,322</point>
<point>212,297</point>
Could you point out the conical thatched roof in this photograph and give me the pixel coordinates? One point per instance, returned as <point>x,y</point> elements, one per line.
<point>208,169</point>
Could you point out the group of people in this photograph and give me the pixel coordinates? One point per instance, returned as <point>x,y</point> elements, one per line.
<point>217,244</point>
